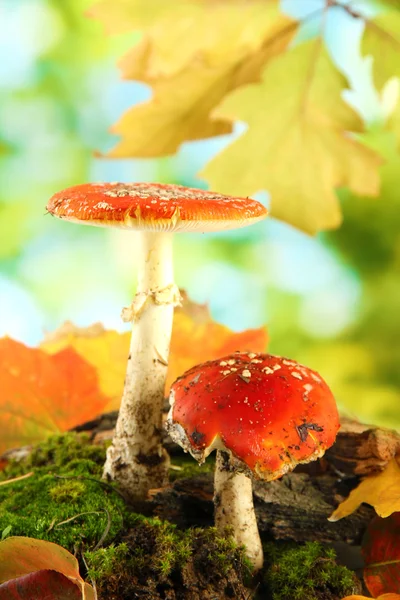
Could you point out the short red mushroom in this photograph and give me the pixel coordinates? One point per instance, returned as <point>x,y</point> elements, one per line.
<point>136,458</point>
<point>264,415</point>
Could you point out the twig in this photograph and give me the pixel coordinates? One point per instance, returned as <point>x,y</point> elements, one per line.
<point>105,532</point>
<point>15,479</point>
<point>370,22</point>
<point>92,581</point>
<point>89,512</point>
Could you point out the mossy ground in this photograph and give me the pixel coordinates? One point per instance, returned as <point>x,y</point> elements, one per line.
<point>65,486</point>
<point>65,502</point>
<point>158,561</point>
<point>306,572</point>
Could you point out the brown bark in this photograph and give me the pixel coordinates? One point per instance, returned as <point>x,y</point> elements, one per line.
<point>295,507</point>
<point>363,449</point>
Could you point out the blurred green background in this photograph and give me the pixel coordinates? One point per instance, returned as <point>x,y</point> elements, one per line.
<point>330,301</point>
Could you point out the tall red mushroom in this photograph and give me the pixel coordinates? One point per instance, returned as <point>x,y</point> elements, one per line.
<point>136,458</point>
<point>264,415</point>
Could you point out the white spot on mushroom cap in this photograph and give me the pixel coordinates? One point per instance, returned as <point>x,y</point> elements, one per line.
<point>168,192</point>
<point>289,363</point>
<point>103,205</point>
<point>315,377</point>
<point>295,374</point>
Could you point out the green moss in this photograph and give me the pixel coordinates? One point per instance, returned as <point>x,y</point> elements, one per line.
<point>156,556</point>
<point>64,501</point>
<point>104,561</point>
<point>61,450</point>
<point>223,552</point>
<point>68,491</point>
<point>307,572</point>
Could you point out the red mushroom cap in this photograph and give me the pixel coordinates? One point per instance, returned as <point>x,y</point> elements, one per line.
<point>154,206</point>
<point>270,412</point>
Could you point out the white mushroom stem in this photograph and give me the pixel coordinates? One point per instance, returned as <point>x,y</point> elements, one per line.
<point>233,502</point>
<point>136,458</point>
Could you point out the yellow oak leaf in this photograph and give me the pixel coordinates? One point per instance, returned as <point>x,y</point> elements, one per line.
<point>381,40</point>
<point>121,16</point>
<point>382,491</point>
<point>176,33</point>
<point>178,111</point>
<point>192,57</point>
<point>297,145</point>
<point>226,34</point>
<point>195,339</point>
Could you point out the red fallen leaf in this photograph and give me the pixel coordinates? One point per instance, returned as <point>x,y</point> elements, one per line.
<point>22,556</point>
<point>381,552</point>
<point>43,394</point>
<point>41,585</point>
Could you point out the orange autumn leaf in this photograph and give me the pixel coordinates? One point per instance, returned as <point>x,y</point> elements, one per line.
<point>43,394</point>
<point>195,339</point>
<point>381,554</point>
<point>382,491</point>
<point>106,350</point>
<point>383,597</point>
